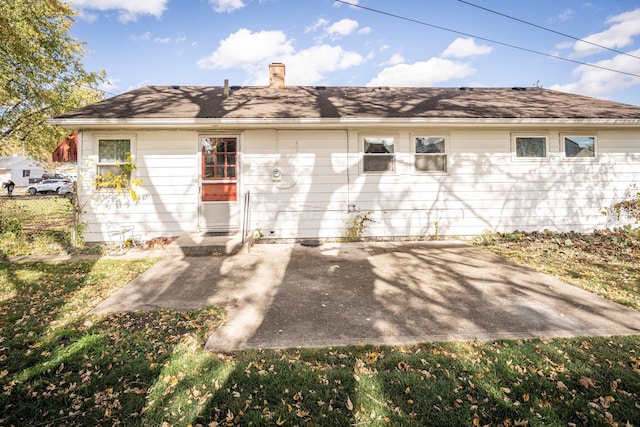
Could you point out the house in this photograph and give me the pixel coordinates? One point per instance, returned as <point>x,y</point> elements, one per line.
<point>67,150</point>
<point>386,162</point>
<point>19,169</point>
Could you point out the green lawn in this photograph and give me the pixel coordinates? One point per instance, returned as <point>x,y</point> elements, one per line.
<point>36,225</point>
<point>606,263</point>
<point>60,366</point>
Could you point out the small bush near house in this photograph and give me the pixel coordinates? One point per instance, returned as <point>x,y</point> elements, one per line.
<point>628,208</point>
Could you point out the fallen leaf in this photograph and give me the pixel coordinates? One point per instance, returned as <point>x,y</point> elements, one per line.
<point>605,402</point>
<point>349,404</point>
<point>587,382</point>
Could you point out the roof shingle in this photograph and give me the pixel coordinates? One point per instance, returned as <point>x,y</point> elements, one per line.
<point>209,102</point>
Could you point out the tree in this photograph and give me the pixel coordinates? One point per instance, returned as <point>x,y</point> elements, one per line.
<point>41,74</point>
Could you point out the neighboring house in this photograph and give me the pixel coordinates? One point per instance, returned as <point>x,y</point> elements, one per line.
<point>310,162</point>
<point>19,169</point>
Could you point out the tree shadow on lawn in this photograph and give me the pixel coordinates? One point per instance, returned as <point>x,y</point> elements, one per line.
<point>523,382</point>
<point>58,367</point>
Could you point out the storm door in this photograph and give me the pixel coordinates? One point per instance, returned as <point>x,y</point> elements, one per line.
<point>219,207</point>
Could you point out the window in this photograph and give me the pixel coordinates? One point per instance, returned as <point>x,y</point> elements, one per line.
<point>579,146</point>
<point>114,159</point>
<point>26,173</point>
<point>379,154</point>
<point>219,158</point>
<point>430,154</point>
<point>530,147</point>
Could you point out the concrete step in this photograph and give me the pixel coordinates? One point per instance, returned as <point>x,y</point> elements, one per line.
<point>204,243</point>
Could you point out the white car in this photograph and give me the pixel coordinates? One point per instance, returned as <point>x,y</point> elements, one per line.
<point>66,189</point>
<point>47,186</point>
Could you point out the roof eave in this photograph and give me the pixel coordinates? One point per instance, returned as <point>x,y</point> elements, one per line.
<point>246,123</point>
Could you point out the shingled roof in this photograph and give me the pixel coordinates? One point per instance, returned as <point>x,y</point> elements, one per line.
<point>303,102</point>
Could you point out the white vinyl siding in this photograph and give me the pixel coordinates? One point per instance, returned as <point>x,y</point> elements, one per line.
<point>166,165</point>
<point>483,189</point>
<point>322,188</point>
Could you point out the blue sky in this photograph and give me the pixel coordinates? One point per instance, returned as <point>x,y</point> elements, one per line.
<point>324,42</point>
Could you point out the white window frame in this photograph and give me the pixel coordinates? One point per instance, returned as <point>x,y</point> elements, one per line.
<point>563,151</point>
<point>416,155</point>
<point>514,146</point>
<point>116,137</point>
<point>363,155</point>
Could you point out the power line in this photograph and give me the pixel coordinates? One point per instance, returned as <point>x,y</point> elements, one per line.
<point>404,18</point>
<point>550,30</point>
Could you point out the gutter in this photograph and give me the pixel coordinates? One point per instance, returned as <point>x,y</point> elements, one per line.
<point>247,123</point>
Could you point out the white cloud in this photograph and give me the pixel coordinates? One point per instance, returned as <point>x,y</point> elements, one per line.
<point>85,16</point>
<point>222,6</point>
<point>565,15</point>
<point>365,30</point>
<point>342,28</point>
<point>141,37</point>
<point>233,52</point>
<point>624,28</point>
<point>309,66</point>
<point>129,10</point>
<point>600,83</point>
<point>320,23</point>
<point>163,40</point>
<point>306,67</point>
<point>423,73</point>
<point>462,48</point>
<point>394,60</point>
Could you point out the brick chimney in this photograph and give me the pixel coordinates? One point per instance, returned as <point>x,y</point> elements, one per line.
<point>276,75</point>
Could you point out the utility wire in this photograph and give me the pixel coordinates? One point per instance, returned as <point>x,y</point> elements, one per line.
<point>404,18</point>
<point>550,30</point>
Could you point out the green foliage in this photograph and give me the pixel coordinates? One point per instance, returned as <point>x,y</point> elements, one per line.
<point>120,182</point>
<point>41,74</point>
<point>358,225</point>
<point>10,226</point>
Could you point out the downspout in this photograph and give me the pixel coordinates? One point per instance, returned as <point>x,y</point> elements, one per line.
<point>349,207</point>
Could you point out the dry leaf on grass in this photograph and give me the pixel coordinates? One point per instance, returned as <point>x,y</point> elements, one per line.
<point>587,382</point>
